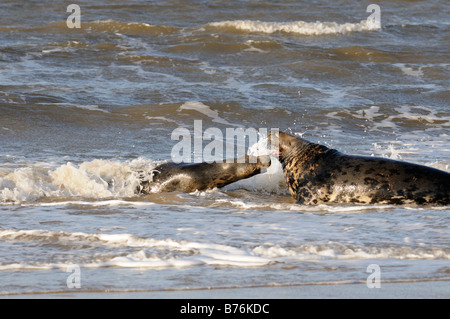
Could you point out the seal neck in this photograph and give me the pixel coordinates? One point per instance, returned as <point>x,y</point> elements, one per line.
<point>304,152</point>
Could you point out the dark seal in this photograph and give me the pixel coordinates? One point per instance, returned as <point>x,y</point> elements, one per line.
<point>316,174</point>
<point>184,177</point>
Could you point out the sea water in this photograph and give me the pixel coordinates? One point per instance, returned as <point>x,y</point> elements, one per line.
<point>83,110</point>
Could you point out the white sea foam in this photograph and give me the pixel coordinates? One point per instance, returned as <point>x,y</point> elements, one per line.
<point>410,71</point>
<point>97,179</point>
<point>161,118</point>
<point>344,252</point>
<point>270,181</point>
<point>206,110</point>
<point>295,27</point>
<point>378,119</point>
<point>190,253</point>
<point>195,253</point>
<point>95,203</point>
<point>80,106</point>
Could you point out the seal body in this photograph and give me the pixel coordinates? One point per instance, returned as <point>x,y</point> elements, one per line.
<point>184,177</point>
<point>316,174</point>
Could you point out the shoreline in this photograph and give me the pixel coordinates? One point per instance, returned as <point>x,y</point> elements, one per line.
<point>439,289</point>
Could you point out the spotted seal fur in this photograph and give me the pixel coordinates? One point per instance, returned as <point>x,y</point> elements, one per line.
<point>316,174</point>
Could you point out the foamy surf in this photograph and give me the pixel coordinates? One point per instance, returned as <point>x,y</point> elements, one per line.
<point>113,180</point>
<point>349,251</point>
<point>149,252</point>
<point>97,179</point>
<point>295,27</point>
<point>170,253</point>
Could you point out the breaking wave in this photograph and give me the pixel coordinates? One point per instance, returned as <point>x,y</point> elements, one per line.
<point>98,179</point>
<point>168,253</point>
<point>295,27</point>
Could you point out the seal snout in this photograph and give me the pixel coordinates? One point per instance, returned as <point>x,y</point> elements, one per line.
<point>274,142</point>
<point>281,143</point>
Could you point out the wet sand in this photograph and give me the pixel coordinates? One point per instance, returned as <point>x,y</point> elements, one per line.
<point>401,290</point>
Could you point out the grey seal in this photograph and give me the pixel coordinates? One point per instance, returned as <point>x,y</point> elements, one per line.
<point>189,177</point>
<point>316,174</point>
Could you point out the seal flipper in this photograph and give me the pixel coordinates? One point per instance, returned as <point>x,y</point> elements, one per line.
<point>306,197</point>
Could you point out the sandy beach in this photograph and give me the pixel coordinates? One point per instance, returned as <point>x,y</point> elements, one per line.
<point>399,290</point>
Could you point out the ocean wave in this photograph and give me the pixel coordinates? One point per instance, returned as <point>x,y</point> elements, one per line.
<point>105,26</point>
<point>295,27</point>
<point>97,179</point>
<point>194,253</point>
<point>128,27</point>
<point>206,110</point>
<point>169,253</point>
<point>349,251</point>
<point>386,118</point>
<point>252,26</point>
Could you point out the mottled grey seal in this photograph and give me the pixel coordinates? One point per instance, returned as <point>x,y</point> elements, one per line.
<point>316,174</point>
<point>184,177</point>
